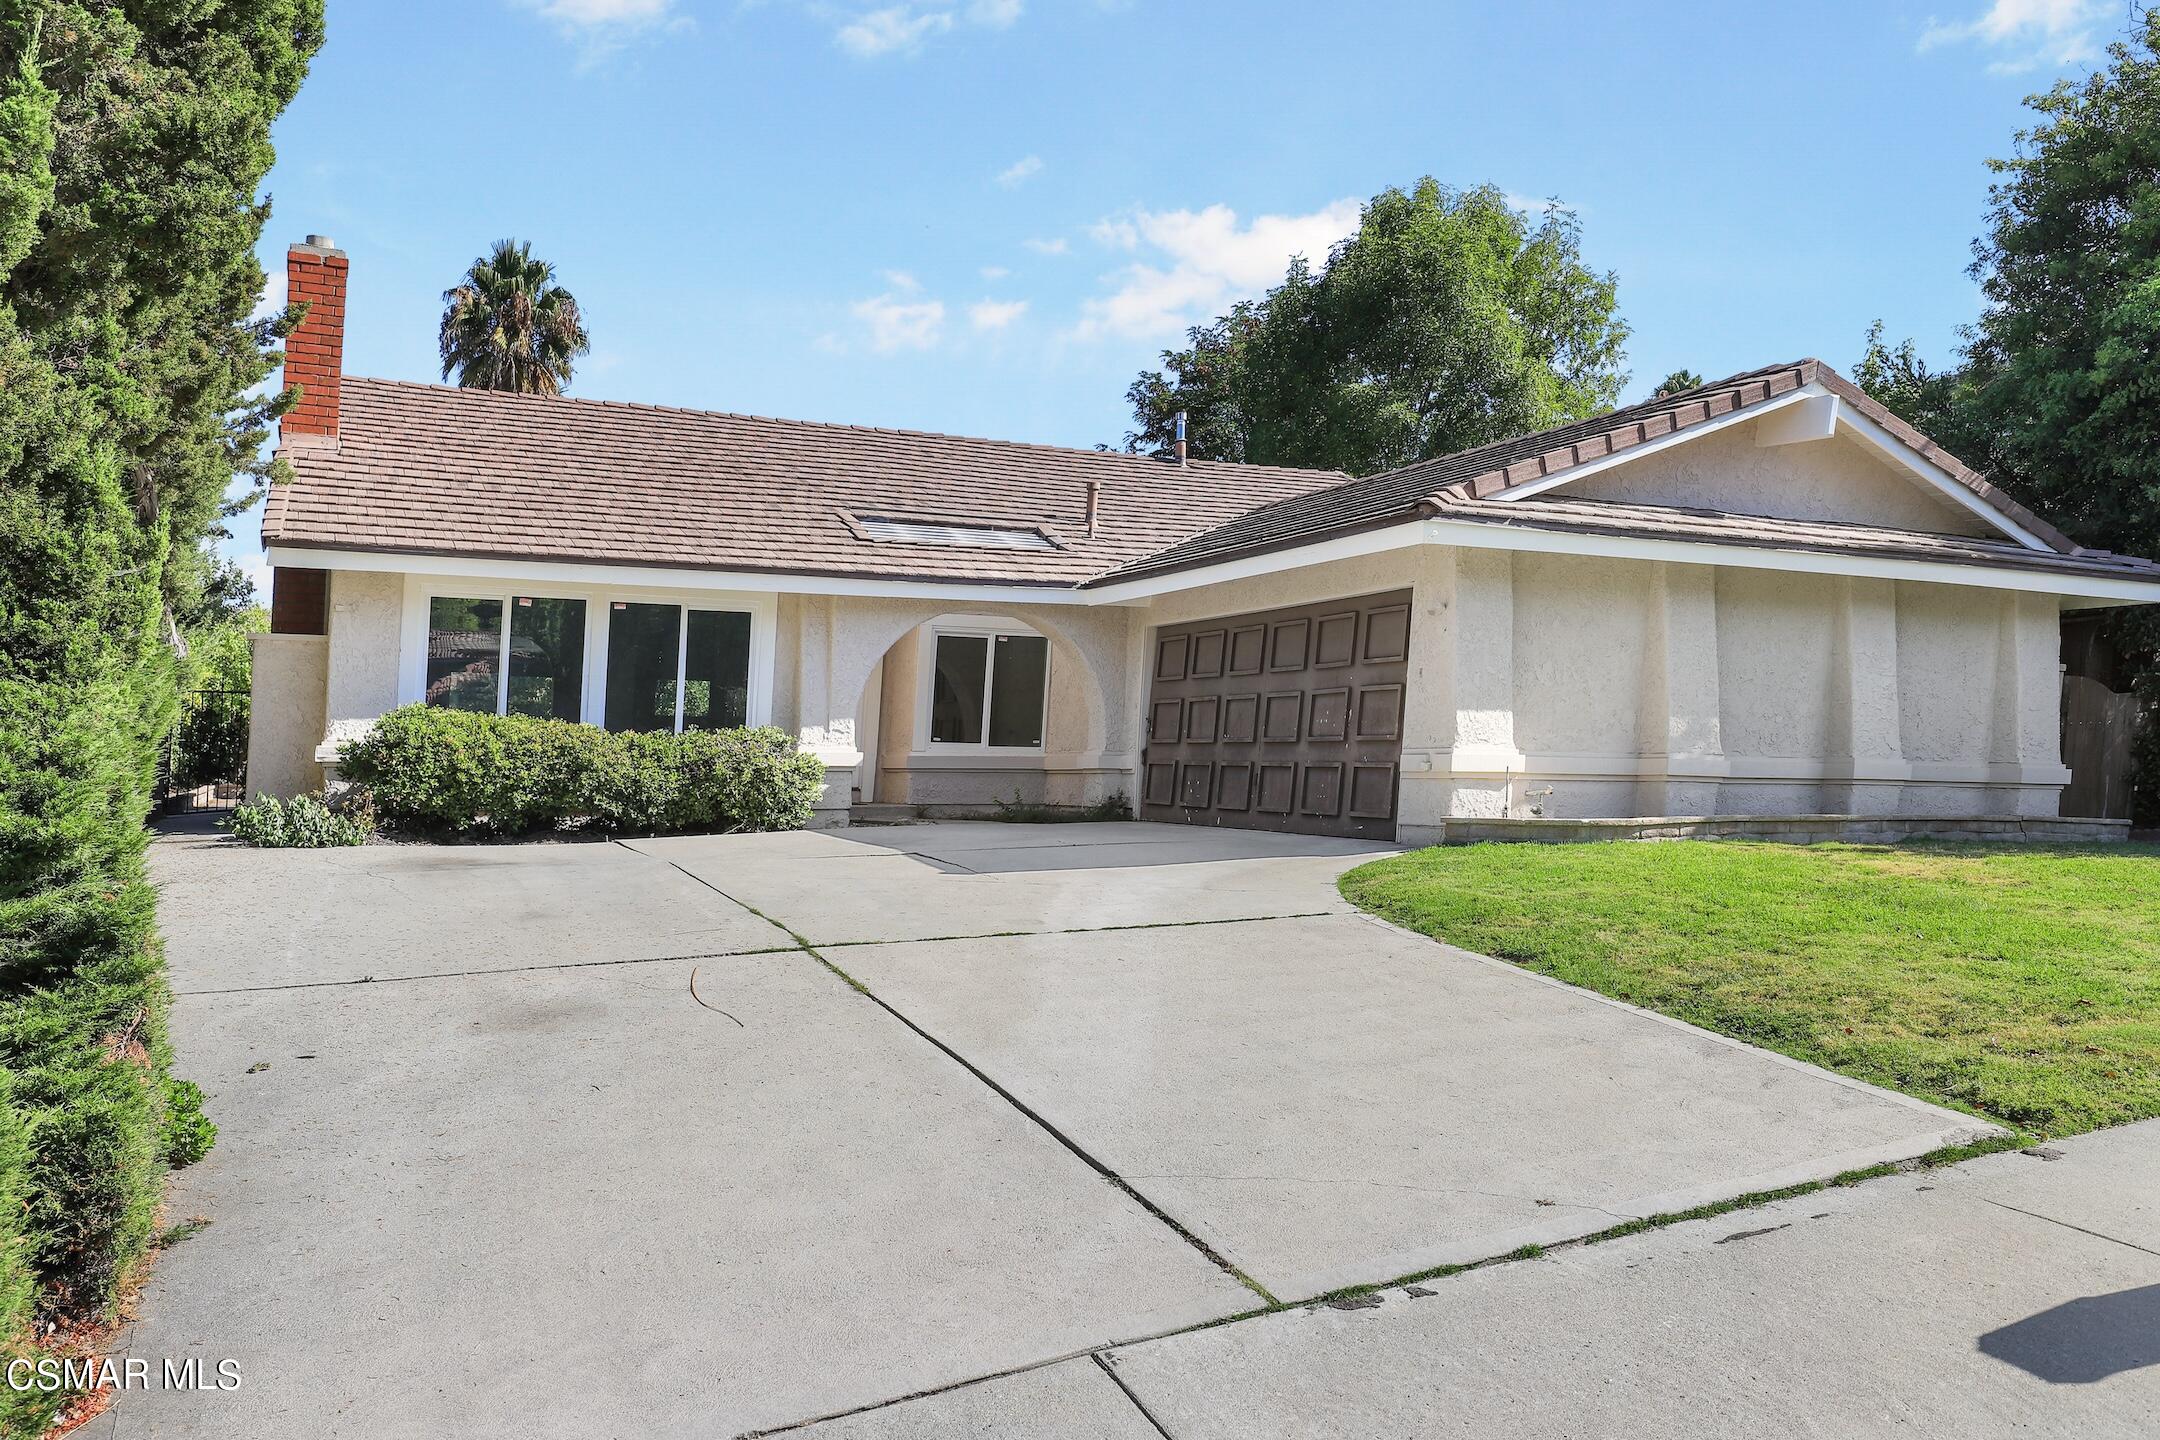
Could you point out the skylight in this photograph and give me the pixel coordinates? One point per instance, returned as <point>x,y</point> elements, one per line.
<point>934,532</point>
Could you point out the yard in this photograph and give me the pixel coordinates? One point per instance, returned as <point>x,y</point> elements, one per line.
<point>2018,982</point>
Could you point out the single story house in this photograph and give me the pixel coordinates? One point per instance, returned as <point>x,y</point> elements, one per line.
<point>1766,597</point>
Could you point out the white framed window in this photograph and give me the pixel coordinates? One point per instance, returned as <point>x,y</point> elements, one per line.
<point>623,659</point>
<point>986,686</point>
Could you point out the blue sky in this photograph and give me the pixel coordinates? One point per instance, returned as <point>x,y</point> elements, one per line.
<point>985,216</point>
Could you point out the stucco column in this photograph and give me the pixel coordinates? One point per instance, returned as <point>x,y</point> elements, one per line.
<point>1679,731</point>
<point>285,713</point>
<point>1421,807</point>
<point>1483,762</point>
<point>2025,718</point>
<point>1864,769</point>
<point>365,620</point>
<point>825,716</point>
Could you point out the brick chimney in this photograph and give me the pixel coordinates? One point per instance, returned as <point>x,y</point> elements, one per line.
<point>315,353</point>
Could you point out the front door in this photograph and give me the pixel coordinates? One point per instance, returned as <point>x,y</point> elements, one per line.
<point>1281,719</point>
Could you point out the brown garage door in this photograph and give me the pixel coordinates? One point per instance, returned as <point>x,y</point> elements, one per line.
<point>1281,720</point>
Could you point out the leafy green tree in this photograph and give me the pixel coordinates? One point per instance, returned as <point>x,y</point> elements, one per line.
<point>1448,320</point>
<point>133,137</point>
<point>2059,396</point>
<point>508,326</point>
<point>1675,383</point>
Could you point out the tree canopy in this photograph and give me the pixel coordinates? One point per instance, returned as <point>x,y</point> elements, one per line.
<point>133,137</point>
<point>1450,319</point>
<point>508,326</point>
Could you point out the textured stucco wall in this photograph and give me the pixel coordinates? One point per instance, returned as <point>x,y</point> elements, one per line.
<point>366,615</point>
<point>838,641</point>
<point>1838,478</point>
<point>1637,688</point>
<point>286,713</point>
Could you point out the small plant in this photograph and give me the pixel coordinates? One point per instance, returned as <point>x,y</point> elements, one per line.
<point>305,822</point>
<point>188,1133</point>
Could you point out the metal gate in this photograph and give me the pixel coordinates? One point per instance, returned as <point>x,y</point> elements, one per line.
<point>203,764</point>
<point>1281,719</point>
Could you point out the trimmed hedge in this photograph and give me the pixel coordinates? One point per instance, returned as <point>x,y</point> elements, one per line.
<point>450,771</point>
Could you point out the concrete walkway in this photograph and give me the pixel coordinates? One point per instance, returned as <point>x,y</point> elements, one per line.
<point>730,1134</point>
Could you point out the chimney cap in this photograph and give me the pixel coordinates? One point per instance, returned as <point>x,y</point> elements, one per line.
<point>320,245</point>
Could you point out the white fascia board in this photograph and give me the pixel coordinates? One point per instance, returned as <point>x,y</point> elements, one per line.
<point>2099,589</point>
<point>654,577</point>
<point>1343,547</point>
<point>1810,401</point>
<point>1933,477</point>
<point>1664,442</point>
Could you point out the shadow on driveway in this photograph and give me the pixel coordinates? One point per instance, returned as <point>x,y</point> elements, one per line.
<point>2083,1341</point>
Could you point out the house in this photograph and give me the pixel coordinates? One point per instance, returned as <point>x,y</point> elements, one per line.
<point>1766,597</point>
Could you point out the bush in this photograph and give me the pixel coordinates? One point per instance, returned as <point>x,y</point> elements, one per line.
<point>435,770</point>
<point>305,822</point>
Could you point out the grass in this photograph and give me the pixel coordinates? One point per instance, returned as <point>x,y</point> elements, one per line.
<point>2021,983</point>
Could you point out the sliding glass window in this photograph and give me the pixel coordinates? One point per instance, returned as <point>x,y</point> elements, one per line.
<point>672,668</point>
<point>468,659</point>
<point>989,690</point>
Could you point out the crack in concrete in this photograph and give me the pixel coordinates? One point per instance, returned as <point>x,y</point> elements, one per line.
<point>2050,1219</point>
<point>1535,1200</point>
<point>1102,1363</point>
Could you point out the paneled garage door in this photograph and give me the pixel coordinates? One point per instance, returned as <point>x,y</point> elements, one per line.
<point>1281,720</point>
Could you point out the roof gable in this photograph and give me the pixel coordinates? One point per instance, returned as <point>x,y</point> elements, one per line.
<point>1520,468</point>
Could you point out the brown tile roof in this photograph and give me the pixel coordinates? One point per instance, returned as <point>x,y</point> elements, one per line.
<point>1719,527</point>
<point>437,470</point>
<point>1495,469</point>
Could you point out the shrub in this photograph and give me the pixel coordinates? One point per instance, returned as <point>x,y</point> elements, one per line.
<point>304,822</point>
<point>189,1133</point>
<point>453,771</point>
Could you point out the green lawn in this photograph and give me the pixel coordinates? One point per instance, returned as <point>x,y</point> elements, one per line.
<point>2018,982</point>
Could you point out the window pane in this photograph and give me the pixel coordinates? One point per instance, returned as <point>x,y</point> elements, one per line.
<point>547,658</point>
<point>464,645</point>
<point>1016,690</point>
<point>956,690</point>
<point>641,652</point>
<point>716,672</point>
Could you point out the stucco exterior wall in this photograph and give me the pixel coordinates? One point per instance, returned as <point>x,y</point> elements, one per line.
<point>838,641</point>
<point>1600,688</point>
<point>1838,478</point>
<point>1539,686</point>
<point>285,713</point>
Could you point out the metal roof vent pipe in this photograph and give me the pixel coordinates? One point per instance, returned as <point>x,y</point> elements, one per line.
<point>1180,437</point>
<point>1094,505</point>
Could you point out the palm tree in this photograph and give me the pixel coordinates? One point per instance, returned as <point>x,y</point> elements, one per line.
<point>508,327</point>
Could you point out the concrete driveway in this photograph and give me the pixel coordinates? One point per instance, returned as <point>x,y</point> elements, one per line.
<point>718,1135</point>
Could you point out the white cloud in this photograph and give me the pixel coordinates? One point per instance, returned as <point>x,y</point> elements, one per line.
<point>273,299</point>
<point>1020,170</point>
<point>1201,261</point>
<point>897,30</point>
<point>995,314</point>
<point>903,281</point>
<point>600,28</point>
<point>902,29</point>
<point>2027,34</point>
<point>897,323</point>
<point>994,272</point>
<point>1047,247</point>
<point>1115,234</point>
